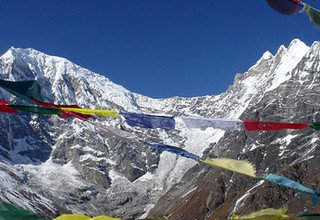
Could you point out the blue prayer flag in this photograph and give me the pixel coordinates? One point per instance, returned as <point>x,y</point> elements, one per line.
<point>149,121</point>
<point>175,150</point>
<point>283,181</point>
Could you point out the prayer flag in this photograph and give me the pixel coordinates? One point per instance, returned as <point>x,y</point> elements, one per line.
<point>287,7</point>
<point>313,14</point>
<point>37,110</point>
<point>84,217</point>
<point>5,108</point>
<point>263,126</point>
<point>238,166</point>
<point>175,150</point>
<point>203,123</point>
<point>309,216</point>
<point>10,212</point>
<point>265,214</point>
<point>85,111</point>
<point>149,121</point>
<point>23,89</point>
<point>283,181</point>
<point>315,126</point>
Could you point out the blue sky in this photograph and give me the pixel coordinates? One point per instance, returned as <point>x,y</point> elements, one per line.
<point>158,48</point>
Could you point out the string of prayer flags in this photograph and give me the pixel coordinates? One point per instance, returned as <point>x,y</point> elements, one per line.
<point>238,166</point>
<point>84,217</point>
<point>152,121</point>
<point>289,7</point>
<point>30,90</point>
<point>175,150</point>
<point>63,112</point>
<point>168,123</point>
<point>7,108</point>
<point>23,89</point>
<point>283,181</point>
<point>270,213</point>
<point>203,123</point>
<point>258,125</point>
<point>242,167</point>
<point>246,168</point>
<point>149,121</point>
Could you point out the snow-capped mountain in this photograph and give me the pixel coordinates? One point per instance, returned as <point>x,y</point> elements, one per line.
<point>53,166</point>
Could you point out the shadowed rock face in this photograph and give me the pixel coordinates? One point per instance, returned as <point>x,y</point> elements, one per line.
<point>75,166</point>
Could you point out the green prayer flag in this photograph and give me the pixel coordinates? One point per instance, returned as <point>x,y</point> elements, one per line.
<point>38,110</point>
<point>315,126</point>
<point>10,212</point>
<point>313,14</point>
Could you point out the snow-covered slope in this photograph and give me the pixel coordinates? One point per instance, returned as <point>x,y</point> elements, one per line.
<point>79,167</point>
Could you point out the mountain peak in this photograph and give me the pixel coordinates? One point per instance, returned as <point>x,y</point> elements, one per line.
<point>297,46</point>
<point>19,52</point>
<point>266,55</point>
<point>297,43</point>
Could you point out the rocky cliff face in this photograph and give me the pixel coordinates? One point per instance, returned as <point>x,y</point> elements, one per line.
<point>52,166</point>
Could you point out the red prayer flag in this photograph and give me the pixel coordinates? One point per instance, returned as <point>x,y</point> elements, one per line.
<point>67,114</point>
<point>257,125</point>
<point>5,108</point>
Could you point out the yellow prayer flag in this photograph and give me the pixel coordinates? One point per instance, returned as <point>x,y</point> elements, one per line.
<point>238,166</point>
<point>86,111</point>
<point>72,217</point>
<point>84,217</point>
<point>265,214</point>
